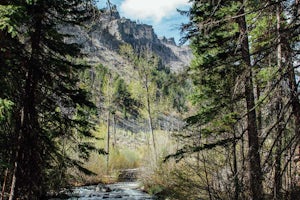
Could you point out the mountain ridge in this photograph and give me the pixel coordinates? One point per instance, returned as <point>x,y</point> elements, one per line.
<point>102,37</point>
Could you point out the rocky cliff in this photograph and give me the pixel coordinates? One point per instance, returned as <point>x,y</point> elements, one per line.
<point>102,36</point>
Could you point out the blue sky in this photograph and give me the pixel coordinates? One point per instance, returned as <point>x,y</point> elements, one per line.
<point>161,14</point>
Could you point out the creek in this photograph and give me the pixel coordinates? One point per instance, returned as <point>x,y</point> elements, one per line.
<point>116,191</point>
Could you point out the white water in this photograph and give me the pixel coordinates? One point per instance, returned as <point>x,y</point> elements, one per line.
<point>117,191</point>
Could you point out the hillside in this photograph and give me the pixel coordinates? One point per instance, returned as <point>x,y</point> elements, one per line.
<point>102,37</point>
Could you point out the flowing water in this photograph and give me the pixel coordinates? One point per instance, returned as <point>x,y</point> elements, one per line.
<point>117,191</point>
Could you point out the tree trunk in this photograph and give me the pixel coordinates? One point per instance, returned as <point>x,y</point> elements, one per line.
<point>4,184</point>
<point>114,131</point>
<point>235,170</point>
<point>277,176</point>
<point>277,187</point>
<point>150,119</point>
<point>28,177</point>
<point>292,81</point>
<point>259,113</point>
<point>107,141</point>
<point>14,180</point>
<point>15,170</point>
<point>108,123</point>
<point>255,173</point>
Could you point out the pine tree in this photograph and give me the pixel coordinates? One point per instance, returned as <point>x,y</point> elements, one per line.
<point>48,101</point>
<point>219,36</point>
<point>257,44</point>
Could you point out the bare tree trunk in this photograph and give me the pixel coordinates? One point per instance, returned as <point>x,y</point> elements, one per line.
<point>243,166</point>
<point>114,131</point>
<point>107,141</point>
<point>108,124</point>
<point>150,120</point>
<point>4,184</point>
<point>13,183</point>
<point>255,172</point>
<point>278,175</point>
<point>235,170</point>
<point>147,135</point>
<point>14,174</point>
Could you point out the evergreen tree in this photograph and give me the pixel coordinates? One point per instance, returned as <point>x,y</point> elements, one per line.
<point>48,101</point>
<point>236,42</point>
<point>219,37</point>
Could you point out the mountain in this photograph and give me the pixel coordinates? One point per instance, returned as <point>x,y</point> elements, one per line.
<point>101,38</point>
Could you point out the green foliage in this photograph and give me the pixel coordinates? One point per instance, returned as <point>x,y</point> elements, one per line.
<point>123,100</point>
<point>42,80</point>
<point>222,84</point>
<point>155,189</point>
<point>10,17</point>
<point>215,69</point>
<point>266,74</point>
<point>31,2</point>
<point>124,159</point>
<point>166,90</point>
<point>5,108</point>
<point>108,87</point>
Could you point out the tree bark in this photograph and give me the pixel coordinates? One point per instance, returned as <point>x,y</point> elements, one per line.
<point>277,176</point>
<point>255,173</point>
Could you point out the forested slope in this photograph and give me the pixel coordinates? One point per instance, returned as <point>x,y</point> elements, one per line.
<point>86,93</point>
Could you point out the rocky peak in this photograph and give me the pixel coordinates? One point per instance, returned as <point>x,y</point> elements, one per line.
<point>110,13</point>
<point>101,41</point>
<point>170,41</point>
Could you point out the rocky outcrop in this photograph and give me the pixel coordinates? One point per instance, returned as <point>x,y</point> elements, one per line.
<point>102,37</point>
<point>170,41</point>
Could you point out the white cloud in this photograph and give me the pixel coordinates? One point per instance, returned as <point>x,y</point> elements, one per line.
<point>151,9</point>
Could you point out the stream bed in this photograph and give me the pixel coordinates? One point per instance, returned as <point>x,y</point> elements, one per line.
<point>116,191</point>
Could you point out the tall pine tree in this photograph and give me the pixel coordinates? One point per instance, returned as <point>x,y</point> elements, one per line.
<point>42,81</point>
<point>255,43</point>
<point>222,72</point>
